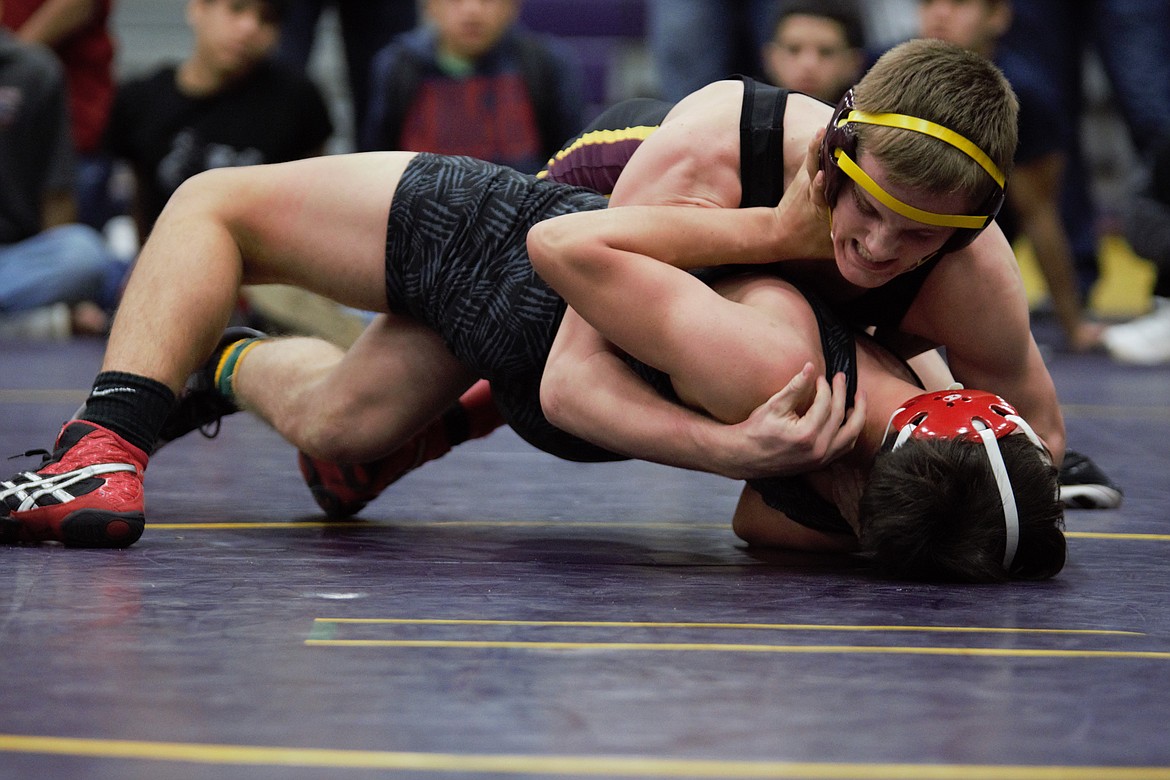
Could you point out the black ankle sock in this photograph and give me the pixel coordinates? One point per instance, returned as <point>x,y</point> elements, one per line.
<point>132,406</point>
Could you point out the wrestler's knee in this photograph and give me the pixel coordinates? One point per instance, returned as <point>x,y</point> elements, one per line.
<point>205,191</point>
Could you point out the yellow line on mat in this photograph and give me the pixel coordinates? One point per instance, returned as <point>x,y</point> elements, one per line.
<point>285,525</point>
<point>253,526</point>
<point>435,523</point>
<point>600,766</point>
<point>747,626</point>
<point>714,647</point>
<point>1112,535</point>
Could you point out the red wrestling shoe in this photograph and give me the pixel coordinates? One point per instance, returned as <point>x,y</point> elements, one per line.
<point>342,490</point>
<point>87,493</point>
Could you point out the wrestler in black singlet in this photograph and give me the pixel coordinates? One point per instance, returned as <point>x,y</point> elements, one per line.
<point>595,158</point>
<point>456,260</point>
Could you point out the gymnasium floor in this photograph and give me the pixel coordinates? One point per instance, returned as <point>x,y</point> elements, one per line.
<point>500,613</point>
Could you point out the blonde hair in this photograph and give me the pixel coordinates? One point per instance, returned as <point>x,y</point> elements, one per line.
<point>953,87</point>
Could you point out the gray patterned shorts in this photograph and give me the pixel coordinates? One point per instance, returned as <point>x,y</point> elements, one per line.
<point>457,261</point>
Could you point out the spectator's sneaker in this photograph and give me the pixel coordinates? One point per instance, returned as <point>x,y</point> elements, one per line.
<point>1144,341</point>
<point>87,493</point>
<point>1084,486</point>
<point>200,406</point>
<point>343,489</point>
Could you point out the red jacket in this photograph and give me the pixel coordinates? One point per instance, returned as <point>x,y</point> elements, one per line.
<point>88,56</point>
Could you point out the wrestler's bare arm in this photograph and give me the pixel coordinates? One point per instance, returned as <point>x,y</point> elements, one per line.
<point>726,355</point>
<point>588,390</point>
<point>974,302</point>
<point>760,525</point>
<point>688,237</point>
<point>692,160</point>
<point>627,416</point>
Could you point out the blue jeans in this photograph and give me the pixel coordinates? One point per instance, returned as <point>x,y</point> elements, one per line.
<point>65,264</point>
<point>96,203</point>
<point>695,42</point>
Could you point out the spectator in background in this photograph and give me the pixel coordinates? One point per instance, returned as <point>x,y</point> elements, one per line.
<point>366,27</point>
<point>1047,43</point>
<point>226,104</point>
<point>1146,340</point>
<point>1033,199</point>
<point>695,42</point>
<point>471,81</point>
<point>77,30</point>
<point>45,258</point>
<point>817,47</point>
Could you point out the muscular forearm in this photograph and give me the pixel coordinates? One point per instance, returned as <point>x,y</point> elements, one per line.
<point>601,400</point>
<point>686,237</point>
<point>975,304</point>
<point>589,391</point>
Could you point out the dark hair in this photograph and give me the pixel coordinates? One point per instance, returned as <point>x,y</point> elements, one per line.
<point>275,10</point>
<point>931,511</point>
<point>960,90</point>
<point>278,8</point>
<point>843,12</point>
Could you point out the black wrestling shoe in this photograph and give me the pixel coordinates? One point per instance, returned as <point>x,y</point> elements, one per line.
<point>1085,486</point>
<point>200,406</point>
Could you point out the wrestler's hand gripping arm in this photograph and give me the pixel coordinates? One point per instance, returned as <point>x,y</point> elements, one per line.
<point>589,390</point>
<point>638,301</point>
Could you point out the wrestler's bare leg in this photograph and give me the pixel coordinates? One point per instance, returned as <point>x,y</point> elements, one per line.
<point>319,224</point>
<point>357,405</point>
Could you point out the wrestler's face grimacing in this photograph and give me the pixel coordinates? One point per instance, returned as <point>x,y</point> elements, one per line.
<point>871,243</point>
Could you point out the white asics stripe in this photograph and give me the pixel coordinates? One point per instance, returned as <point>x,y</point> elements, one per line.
<point>54,484</point>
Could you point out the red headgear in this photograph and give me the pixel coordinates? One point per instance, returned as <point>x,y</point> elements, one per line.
<point>952,413</point>
<point>977,416</point>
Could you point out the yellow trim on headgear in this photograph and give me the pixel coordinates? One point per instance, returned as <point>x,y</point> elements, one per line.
<point>854,171</point>
<point>934,130</point>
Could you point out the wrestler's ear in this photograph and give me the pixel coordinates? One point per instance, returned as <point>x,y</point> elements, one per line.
<point>813,156</point>
<point>816,173</point>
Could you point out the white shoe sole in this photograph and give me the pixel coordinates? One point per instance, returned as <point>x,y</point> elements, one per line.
<point>1090,497</point>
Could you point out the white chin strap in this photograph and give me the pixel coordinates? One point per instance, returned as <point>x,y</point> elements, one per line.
<point>1011,516</point>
